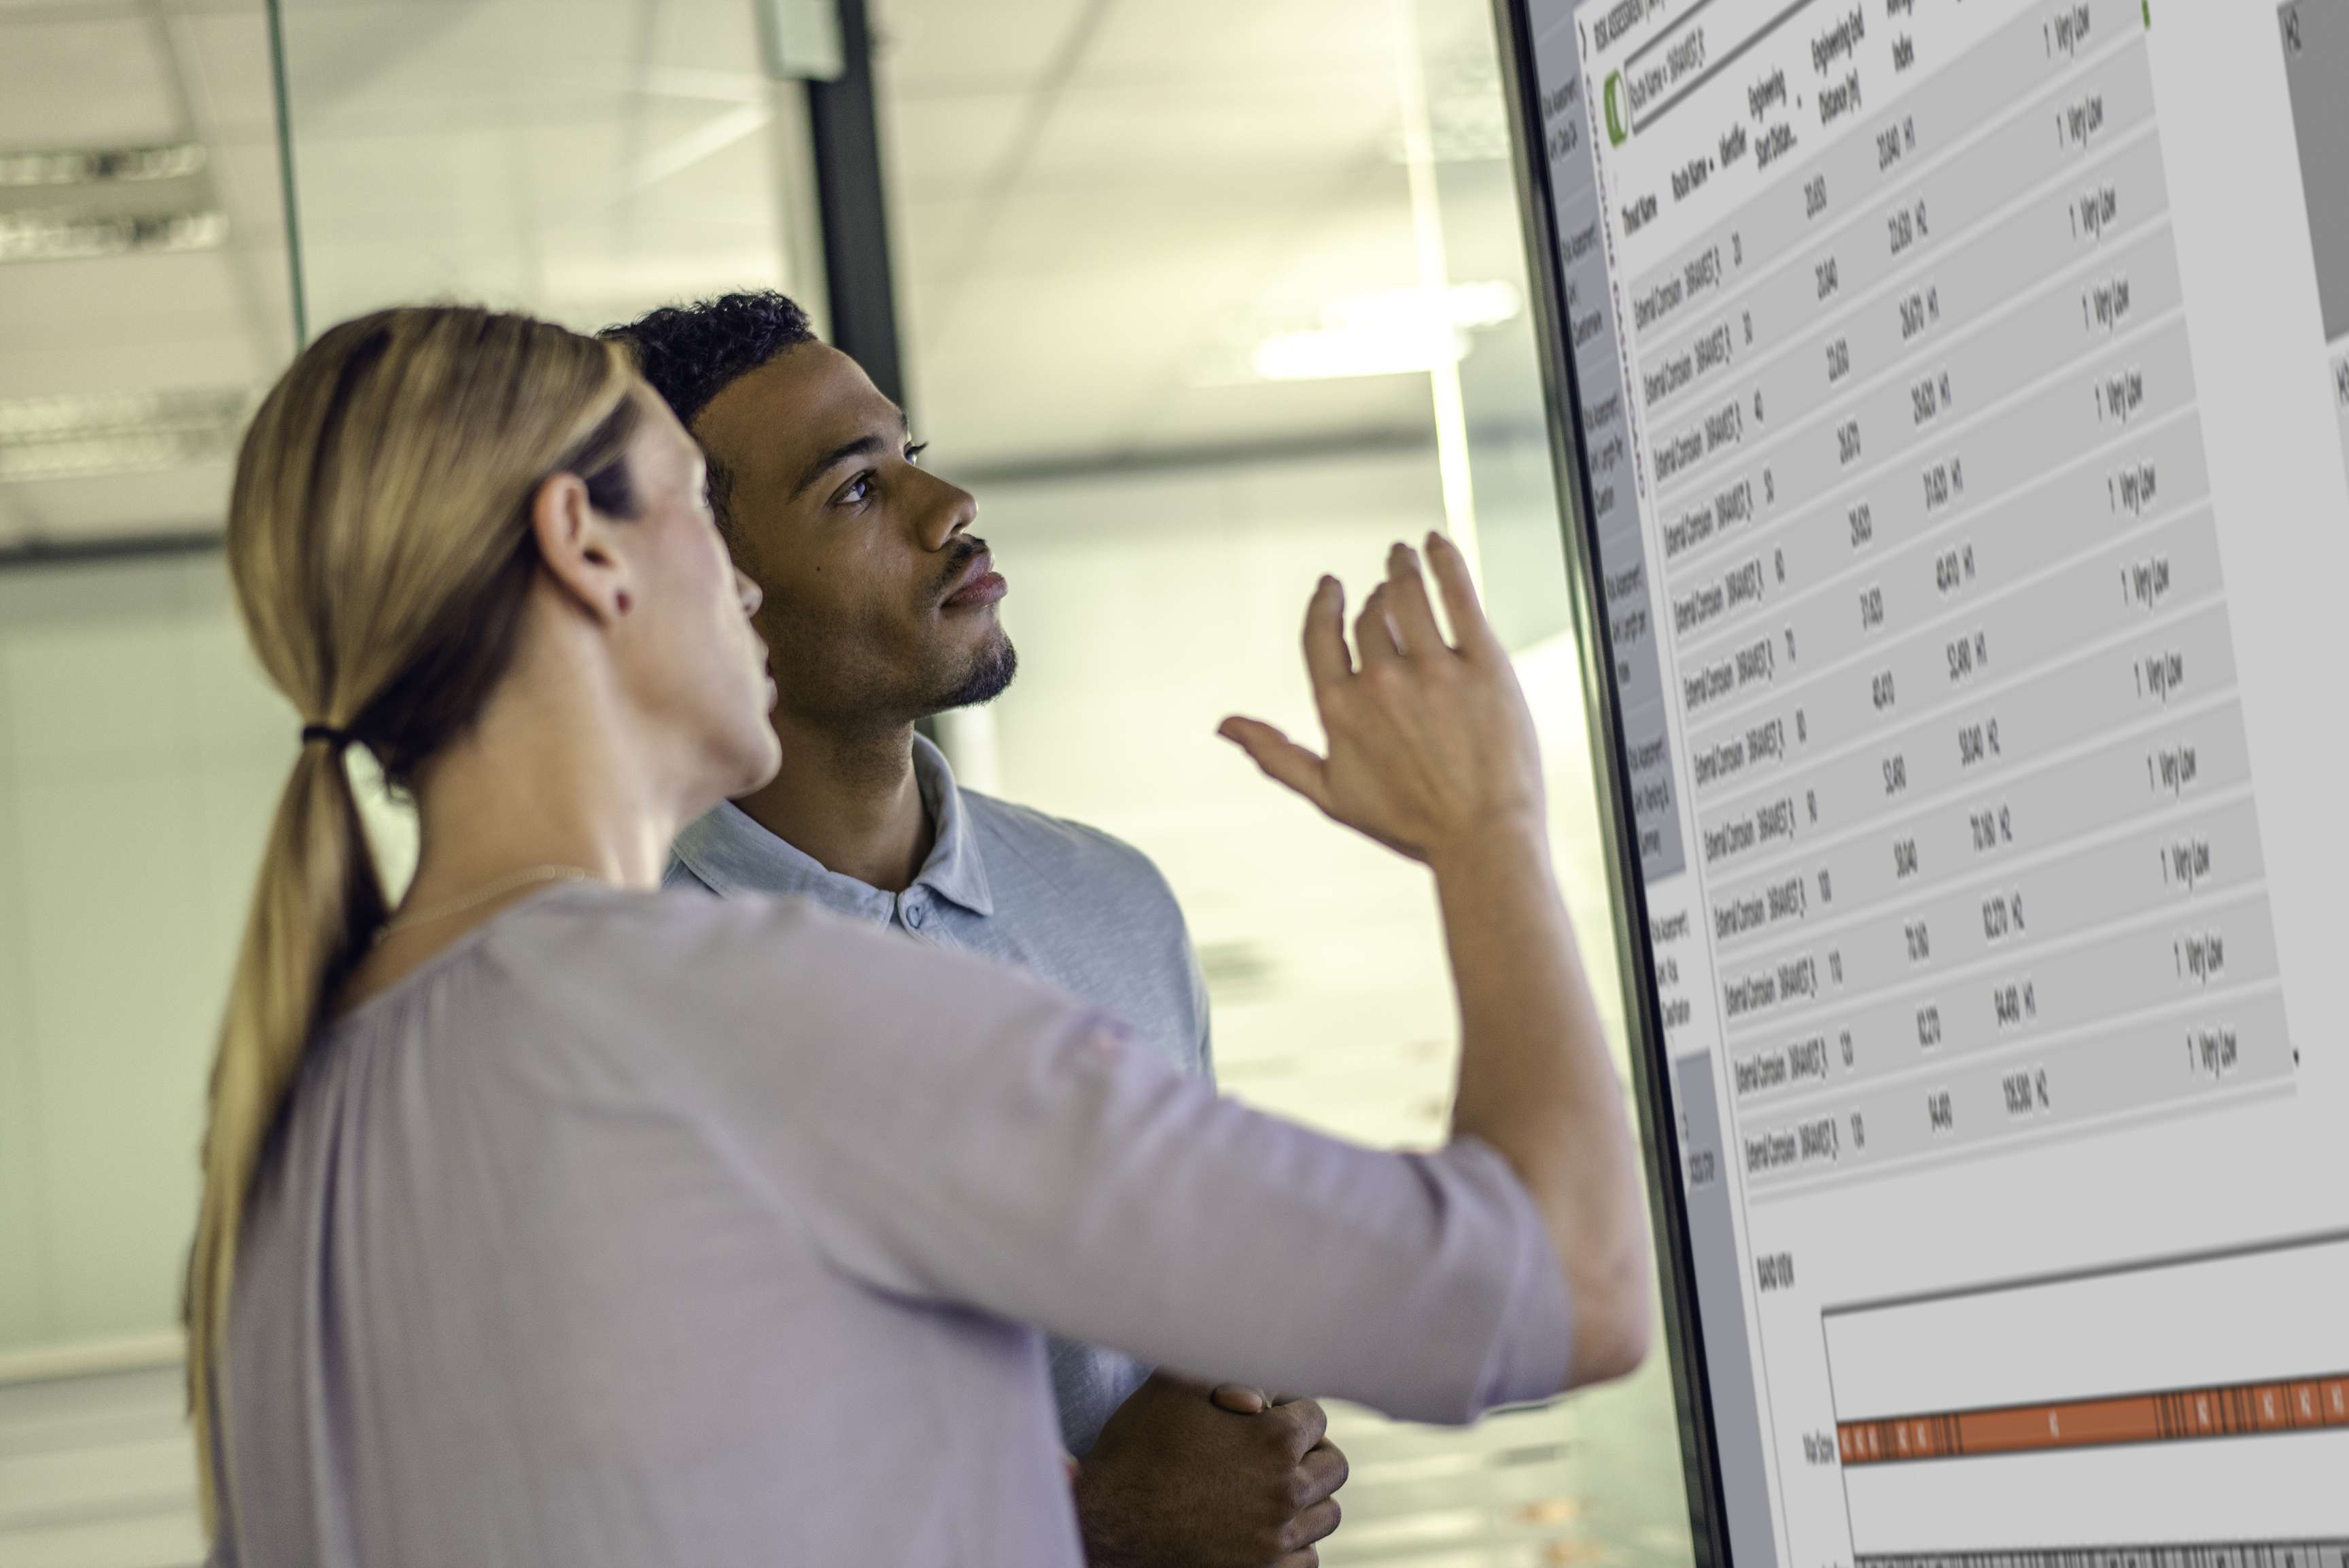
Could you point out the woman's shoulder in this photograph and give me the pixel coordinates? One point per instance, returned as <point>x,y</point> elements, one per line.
<point>595,937</point>
<point>643,920</point>
<point>614,951</point>
<point>687,926</point>
<point>677,989</point>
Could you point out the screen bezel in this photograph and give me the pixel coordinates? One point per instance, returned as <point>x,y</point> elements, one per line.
<point>1642,1008</point>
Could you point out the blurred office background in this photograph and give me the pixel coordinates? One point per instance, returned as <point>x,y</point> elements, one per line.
<point>1200,299</point>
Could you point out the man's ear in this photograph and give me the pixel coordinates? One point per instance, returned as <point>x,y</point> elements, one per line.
<point>580,549</point>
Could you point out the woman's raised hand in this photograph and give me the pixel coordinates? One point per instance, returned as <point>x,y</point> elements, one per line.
<point>1431,746</point>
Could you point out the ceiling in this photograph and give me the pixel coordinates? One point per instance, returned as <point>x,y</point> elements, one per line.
<point>87,340</point>
<point>1103,204</point>
<point>1101,207</point>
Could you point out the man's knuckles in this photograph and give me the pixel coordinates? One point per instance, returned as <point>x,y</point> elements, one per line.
<point>1309,1525</point>
<point>1309,1484</point>
<point>1328,1466</point>
<point>1303,1424</point>
<point>1268,1542</point>
<point>1276,1500</point>
<point>1272,1441</point>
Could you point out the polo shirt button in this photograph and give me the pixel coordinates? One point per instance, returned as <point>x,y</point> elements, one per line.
<point>913,916</point>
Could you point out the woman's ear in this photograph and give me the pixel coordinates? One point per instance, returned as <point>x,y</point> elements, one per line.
<point>580,549</point>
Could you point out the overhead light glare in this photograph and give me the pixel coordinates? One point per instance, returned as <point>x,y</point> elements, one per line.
<point>53,236</point>
<point>1398,350</point>
<point>75,434</point>
<point>94,166</point>
<point>1394,332</point>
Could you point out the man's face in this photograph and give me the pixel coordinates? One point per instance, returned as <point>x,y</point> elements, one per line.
<point>880,604</point>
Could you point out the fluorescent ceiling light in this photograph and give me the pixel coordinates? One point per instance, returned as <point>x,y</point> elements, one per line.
<point>1398,350</point>
<point>76,434</point>
<point>49,235</point>
<point>93,166</point>
<point>1394,332</point>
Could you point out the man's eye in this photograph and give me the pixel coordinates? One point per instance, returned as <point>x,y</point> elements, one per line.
<point>856,489</point>
<point>913,450</point>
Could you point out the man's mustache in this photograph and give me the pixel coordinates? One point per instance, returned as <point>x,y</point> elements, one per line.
<point>960,553</point>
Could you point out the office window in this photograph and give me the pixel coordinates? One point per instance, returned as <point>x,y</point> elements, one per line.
<point>1202,302</point>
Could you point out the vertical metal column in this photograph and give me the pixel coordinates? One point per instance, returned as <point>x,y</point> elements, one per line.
<point>858,284</point>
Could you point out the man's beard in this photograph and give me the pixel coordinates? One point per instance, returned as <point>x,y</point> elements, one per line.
<point>993,666</point>
<point>991,671</point>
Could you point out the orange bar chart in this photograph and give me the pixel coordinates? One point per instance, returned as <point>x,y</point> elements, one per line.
<point>2174,1414</point>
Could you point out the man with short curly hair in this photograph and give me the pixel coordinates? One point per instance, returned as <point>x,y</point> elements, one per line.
<point>880,610</point>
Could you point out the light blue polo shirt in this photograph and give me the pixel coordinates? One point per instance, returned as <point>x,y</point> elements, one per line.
<point>1085,912</point>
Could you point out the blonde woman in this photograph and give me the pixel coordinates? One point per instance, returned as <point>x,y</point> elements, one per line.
<point>551,1219</point>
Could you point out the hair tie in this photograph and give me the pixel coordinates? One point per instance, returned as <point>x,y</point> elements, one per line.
<point>337,739</point>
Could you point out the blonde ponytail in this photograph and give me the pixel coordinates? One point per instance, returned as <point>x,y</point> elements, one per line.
<point>318,902</point>
<point>380,544</point>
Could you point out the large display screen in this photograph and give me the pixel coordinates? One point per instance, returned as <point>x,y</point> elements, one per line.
<point>1953,397</point>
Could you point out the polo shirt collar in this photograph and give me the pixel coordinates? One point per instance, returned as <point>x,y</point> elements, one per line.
<point>954,870</point>
<point>733,854</point>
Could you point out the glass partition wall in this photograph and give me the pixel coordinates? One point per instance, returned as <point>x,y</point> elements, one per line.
<point>1200,301</point>
<point>1200,306</point>
<point>581,159</point>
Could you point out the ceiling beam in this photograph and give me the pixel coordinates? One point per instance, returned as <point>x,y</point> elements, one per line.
<point>195,540</point>
<point>860,286</point>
